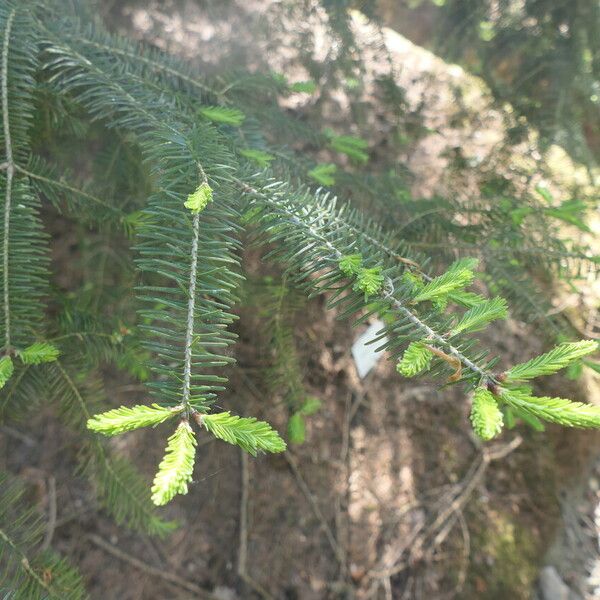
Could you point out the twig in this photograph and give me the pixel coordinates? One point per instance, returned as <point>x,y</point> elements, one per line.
<point>18,435</point>
<point>341,511</point>
<point>407,589</point>
<point>462,574</point>
<point>256,587</point>
<point>10,171</point>
<point>387,588</point>
<point>439,529</point>
<point>499,452</point>
<point>243,549</point>
<point>50,528</point>
<point>75,515</point>
<point>339,554</point>
<point>189,332</point>
<point>142,566</point>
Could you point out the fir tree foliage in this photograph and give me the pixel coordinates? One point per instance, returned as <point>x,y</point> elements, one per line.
<point>303,87</point>
<point>260,157</point>
<point>121,489</point>
<point>551,362</point>
<point>198,145</point>
<point>119,420</point>
<point>222,114</point>
<point>552,53</point>
<point>246,432</point>
<point>353,147</point>
<point>6,370</point>
<point>175,470</point>
<point>197,201</point>
<point>297,422</point>
<point>296,429</point>
<point>457,277</point>
<point>555,410</point>
<point>486,416</point>
<point>369,281</point>
<point>350,265</point>
<point>27,573</point>
<point>324,174</point>
<point>480,315</point>
<point>278,306</point>
<point>416,359</point>
<point>39,352</point>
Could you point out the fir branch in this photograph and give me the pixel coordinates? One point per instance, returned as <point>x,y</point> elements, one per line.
<point>39,352</point>
<point>451,281</point>
<point>6,370</point>
<point>61,185</point>
<point>131,110</point>
<point>415,320</point>
<point>201,197</point>
<point>480,315</point>
<point>139,54</point>
<point>332,255</point>
<point>246,432</point>
<point>189,281</point>
<point>550,362</point>
<point>121,489</point>
<point>486,417</point>
<point>176,469</point>
<point>69,58</point>
<point>23,275</point>
<point>224,115</point>
<point>189,331</point>
<point>23,565</point>
<point>10,171</point>
<point>556,410</point>
<point>120,420</point>
<point>416,359</point>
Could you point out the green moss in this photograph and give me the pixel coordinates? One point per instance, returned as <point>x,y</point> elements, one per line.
<point>506,565</point>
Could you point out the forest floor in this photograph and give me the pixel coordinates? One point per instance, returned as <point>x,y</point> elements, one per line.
<point>391,496</point>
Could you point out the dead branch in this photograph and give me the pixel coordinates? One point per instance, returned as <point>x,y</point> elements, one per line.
<point>142,566</point>
<point>50,528</point>
<point>425,539</point>
<point>243,542</point>
<point>339,554</point>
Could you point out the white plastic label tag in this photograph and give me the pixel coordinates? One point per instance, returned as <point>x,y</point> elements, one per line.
<point>365,357</point>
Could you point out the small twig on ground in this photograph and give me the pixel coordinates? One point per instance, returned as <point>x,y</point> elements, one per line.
<point>497,452</point>
<point>243,551</point>
<point>342,500</point>
<point>50,528</point>
<point>256,587</point>
<point>387,588</point>
<point>462,574</point>
<point>243,545</point>
<point>406,593</point>
<point>18,435</point>
<point>75,515</point>
<point>339,554</point>
<point>142,566</point>
<point>436,532</point>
